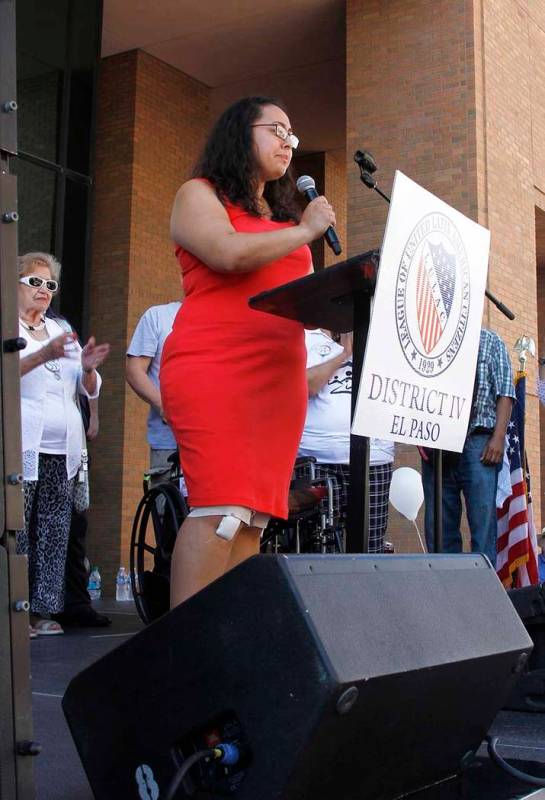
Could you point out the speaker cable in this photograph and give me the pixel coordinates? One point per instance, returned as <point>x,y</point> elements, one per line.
<point>224,753</point>
<point>492,742</point>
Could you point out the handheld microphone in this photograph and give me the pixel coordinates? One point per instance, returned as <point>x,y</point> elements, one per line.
<point>307,186</point>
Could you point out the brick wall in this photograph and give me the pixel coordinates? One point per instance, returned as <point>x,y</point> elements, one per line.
<point>312,164</point>
<point>108,299</point>
<point>451,92</point>
<point>454,97</point>
<point>410,102</point>
<point>536,29</point>
<point>511,127</point>
<point>335,189</point>
<point>329,172</point>
<point>152,120</point>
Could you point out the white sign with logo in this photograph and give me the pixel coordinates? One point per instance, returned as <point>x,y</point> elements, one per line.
<point>417,380</point>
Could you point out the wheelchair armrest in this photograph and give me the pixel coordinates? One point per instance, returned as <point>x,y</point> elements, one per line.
<point>152,472</point>
<point>302,461</point>
<point>174,459</point>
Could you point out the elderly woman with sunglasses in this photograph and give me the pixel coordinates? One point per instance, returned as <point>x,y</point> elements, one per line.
<point>233,380</point>
<point>54,370</point>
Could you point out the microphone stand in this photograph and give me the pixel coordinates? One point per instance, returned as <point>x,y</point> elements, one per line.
<point>371,183</point>
<point>364,160</point>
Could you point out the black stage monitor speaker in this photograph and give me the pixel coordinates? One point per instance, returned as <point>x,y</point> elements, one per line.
<point>346,677</point>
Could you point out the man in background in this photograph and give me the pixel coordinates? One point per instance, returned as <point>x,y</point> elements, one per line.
<point>474,471</point>
<point>142,372</point>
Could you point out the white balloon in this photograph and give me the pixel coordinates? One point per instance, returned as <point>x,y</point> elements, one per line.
<point>406,492</point>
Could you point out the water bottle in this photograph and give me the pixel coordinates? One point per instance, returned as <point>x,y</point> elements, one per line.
<point>129,588</point>
<point>95,581</point>
<point>121,584</point>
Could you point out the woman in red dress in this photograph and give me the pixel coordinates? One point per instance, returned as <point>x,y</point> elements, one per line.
<point>233,380</point>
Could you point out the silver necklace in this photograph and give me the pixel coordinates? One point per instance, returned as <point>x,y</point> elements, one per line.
<point>39,327</point>
<point>54,367</point>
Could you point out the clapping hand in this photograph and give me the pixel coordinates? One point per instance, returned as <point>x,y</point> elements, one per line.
<point>93,354</point>
<point>59,347</point>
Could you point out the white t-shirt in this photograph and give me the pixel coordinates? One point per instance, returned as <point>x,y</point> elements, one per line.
<point>54,431</point>
<point>326,435</point>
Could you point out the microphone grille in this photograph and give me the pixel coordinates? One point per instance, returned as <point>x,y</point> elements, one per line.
<point>304,183</point>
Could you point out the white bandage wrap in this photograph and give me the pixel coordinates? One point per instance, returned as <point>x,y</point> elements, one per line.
<point>228,527</point>
<point>233,518</point>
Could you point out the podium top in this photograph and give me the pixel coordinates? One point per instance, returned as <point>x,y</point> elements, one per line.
<point>324,299</point>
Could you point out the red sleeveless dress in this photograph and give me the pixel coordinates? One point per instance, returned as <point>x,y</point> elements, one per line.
<point>233,381</point>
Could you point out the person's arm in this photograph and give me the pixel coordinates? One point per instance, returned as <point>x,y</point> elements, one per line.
<point>140,382</point>
<point>493,452</point>
<point>200,224</point>
<point>92,356</point>
<point>54,349</point>
<point>318,376</point>
<point>92,430</point>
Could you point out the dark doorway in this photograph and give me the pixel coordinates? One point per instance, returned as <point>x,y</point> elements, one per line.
<point>57,54</point>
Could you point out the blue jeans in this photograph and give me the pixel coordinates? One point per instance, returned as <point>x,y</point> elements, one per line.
<point>478,482</point>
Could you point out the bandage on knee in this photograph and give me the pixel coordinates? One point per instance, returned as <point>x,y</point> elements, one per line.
<point>228,527</point>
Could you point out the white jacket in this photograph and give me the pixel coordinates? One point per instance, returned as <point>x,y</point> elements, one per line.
<point>33,395</point>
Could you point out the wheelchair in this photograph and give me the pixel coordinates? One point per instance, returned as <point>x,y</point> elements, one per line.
<point>315,525</point>
<point>158,517</point>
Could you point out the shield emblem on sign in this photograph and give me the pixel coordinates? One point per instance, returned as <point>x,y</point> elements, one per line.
<point>435,284</point>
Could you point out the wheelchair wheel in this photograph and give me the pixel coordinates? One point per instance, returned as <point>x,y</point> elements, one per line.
<point>156,523</point>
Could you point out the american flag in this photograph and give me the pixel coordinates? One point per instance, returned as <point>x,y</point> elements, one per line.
<point>435,281</point>
<point>516,562</point>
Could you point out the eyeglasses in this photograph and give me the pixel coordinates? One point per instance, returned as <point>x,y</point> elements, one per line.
<point>35,282</point>
<point>281,131</point>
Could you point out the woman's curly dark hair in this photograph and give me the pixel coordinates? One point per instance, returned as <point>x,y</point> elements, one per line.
<point>229,163</point>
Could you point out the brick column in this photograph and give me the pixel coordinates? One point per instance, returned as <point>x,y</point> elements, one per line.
<point>509,53</point>
<point>335,190</point>
<point>410,102</point>
<point>452,94</point>
<point>329,172</point>
<point>152,120</point>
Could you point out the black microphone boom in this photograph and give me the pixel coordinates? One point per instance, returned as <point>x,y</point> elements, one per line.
<point>306,185</point>
<point>368,165</point>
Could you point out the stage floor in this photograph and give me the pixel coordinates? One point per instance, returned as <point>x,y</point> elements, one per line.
<point>60,776</point>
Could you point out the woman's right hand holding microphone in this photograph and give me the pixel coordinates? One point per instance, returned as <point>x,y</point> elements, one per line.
<point>317,217</point>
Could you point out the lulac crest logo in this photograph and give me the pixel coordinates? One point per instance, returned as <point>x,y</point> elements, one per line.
<point>432,295</point>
